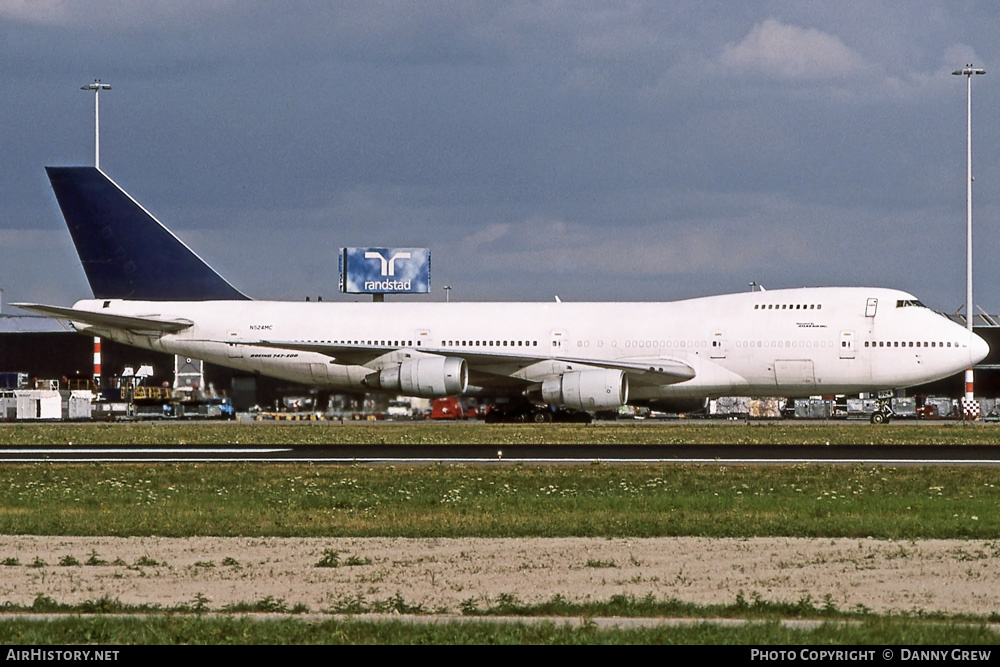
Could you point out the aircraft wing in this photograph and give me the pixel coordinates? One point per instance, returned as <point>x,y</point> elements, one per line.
<point>145,324</point>
<point>353,355</point>
<point>492,368</point>
<point>647,372</point>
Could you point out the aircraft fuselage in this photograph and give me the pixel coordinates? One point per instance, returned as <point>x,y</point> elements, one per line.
<point>789,342</point>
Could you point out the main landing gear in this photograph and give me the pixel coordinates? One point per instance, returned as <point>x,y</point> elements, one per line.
<point>531,414</point>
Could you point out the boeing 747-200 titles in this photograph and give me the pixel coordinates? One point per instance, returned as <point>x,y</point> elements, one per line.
<point>153,292</point>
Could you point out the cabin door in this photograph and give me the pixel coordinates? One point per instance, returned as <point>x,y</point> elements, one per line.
<point>846,344</point>
<point>235,350</point>
<point>422,338</point>
<point>718,346</point>
<point>560,343</point>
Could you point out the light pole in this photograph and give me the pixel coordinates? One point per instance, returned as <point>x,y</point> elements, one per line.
<point>967,72</point>
<point>97,87</point>
<point>447,293</point>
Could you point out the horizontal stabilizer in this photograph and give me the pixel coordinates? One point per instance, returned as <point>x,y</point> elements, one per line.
<point>125,251</point>
<point>145,324</point>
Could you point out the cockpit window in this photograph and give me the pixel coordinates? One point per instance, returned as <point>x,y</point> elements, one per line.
<point>907,303</point>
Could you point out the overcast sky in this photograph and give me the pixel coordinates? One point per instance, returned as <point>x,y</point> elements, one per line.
<point>594,150</point>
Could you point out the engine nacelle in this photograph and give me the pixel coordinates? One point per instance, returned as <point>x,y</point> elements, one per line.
<point>425,377</point>
<point>587,390</point>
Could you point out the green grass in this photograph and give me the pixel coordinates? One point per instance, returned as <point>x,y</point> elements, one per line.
<point>491,500</point>
<point>754,610</point>
<point>667,432</point>
<point>594,500</point>
<point>102,632</point>
<point>106,621</point>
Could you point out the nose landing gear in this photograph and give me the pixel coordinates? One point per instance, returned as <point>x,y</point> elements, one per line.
<point>883,413</point>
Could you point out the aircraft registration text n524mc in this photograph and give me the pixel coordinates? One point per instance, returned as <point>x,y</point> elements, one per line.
<point>152,291</point>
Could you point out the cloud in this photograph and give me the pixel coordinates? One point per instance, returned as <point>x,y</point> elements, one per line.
<point>485,236</point>
<point>915,85</point>
<point>540,245</point>
<point>119,14</point>
<point>775,50</point>
<point>957,55</point>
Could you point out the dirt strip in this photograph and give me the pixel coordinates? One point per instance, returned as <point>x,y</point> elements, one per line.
<point>440,575</point>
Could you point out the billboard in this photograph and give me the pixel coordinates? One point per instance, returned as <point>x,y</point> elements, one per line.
<point>385,270</point>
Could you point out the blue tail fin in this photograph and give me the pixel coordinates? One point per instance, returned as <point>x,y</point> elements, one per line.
<point>125,251</point>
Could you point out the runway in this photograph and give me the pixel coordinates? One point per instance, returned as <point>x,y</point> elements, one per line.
<point>515,454</point>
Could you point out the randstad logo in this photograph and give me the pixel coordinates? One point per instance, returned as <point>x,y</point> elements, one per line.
<point>374,270</point>
<point>388,265</point>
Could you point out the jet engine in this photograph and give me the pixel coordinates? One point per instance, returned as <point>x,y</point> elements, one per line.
<point>587,390</point>
<point>426,377</point>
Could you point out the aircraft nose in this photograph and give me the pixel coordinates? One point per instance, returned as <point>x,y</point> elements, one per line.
<point>978,349</point>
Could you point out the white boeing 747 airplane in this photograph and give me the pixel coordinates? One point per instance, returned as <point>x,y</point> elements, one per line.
<point>153,292</point>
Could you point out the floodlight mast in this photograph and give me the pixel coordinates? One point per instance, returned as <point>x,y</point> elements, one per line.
<point>97,87</point>
<point>967,72</point>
